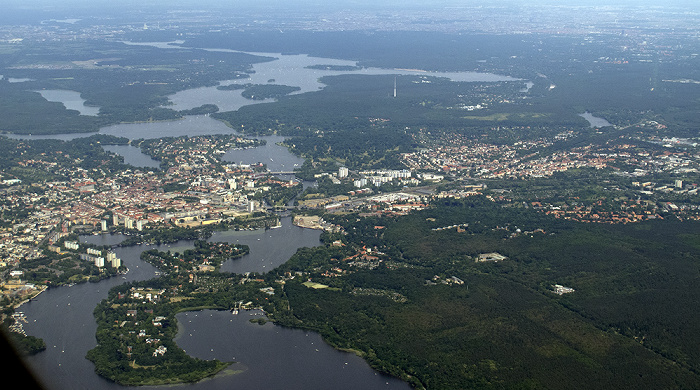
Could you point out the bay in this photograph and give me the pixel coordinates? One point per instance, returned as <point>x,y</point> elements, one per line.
<point>273,357</point>
<point>133,156</point>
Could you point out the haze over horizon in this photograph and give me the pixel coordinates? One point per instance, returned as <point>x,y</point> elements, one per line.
<point>344,4</point>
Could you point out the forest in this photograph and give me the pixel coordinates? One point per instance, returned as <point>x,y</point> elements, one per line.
<point>505,327</point>
<point>85,153</point>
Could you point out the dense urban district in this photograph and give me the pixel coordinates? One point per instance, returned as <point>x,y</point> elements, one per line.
<point>539,231</point>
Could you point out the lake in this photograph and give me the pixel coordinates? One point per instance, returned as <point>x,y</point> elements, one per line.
<point>273,357</point>
<point>70,99</point>
<point>295,71</point>
<point>594,121</point>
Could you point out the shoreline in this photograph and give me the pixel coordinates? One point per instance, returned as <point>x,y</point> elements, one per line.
<point>43,288</point>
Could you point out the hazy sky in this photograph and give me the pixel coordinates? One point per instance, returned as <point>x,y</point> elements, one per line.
<point>334,3</point>
<point>31,11</point>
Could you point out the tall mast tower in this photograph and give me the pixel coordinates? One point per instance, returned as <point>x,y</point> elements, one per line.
<point>394,87</point>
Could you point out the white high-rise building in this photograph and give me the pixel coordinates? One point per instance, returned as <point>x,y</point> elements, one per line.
<point>94,252</point>
<point>343,172</point>
<point>360,183</point>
